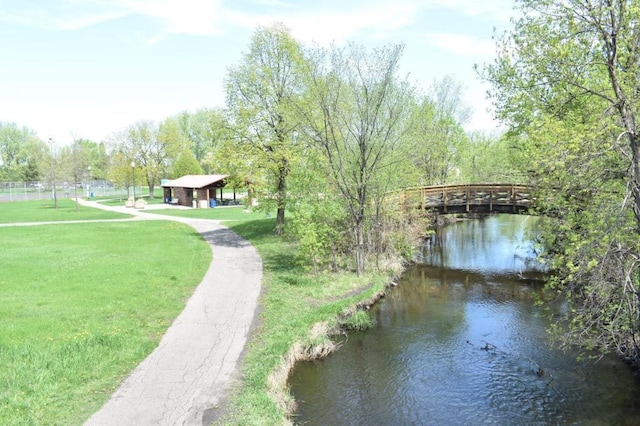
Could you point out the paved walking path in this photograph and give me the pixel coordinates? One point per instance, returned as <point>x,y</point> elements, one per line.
<point>185,378</point>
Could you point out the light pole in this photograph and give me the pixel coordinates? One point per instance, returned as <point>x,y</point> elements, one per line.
<point>53,173</point>
<point>133,178</point>
<point>89,182</point>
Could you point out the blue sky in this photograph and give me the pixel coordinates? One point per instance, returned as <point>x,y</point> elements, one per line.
<point>92,67</point>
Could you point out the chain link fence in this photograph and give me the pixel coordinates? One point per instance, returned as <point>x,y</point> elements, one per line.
<point>20,191</point>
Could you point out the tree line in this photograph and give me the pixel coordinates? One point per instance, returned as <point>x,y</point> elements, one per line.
<point>326,134</point>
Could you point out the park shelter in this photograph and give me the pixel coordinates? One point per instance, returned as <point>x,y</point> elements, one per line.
<point>199,188</point>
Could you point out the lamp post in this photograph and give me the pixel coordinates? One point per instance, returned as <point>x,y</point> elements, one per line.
<point>88,182</point>
<point>53,174</point>
<point>133,178</point>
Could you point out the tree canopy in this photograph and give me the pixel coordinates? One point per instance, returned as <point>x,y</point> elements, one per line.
<point>567,82</point>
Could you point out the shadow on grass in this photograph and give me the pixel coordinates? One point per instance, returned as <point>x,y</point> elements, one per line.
<point>277,254</point>
<point>256,231</point>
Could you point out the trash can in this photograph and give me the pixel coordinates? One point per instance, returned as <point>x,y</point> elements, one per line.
<point>212,203</point>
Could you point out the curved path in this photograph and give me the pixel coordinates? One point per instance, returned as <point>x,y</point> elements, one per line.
<point>185,378</point>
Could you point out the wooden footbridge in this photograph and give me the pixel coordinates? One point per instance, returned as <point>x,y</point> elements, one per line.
<point>469,198</point>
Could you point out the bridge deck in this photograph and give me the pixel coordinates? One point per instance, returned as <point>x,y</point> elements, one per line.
<point>469,198</point>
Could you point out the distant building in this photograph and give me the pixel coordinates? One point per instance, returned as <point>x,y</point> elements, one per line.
<point>200,188</point>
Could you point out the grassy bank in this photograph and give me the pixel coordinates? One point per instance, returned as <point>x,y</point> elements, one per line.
<point>81,305</point>
<point>45,211</point>
<point>293,301</point>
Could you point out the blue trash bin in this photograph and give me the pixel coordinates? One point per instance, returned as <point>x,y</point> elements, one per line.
<point>212,203</point>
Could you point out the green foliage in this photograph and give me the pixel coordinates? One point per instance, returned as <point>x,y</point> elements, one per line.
<point>318,216</point>
<point>490,159</point>
<point>150,147</point>
<point>260,95</point>
<point>22,154</point>
<point>292,303</point>
<point>355,114</point>
<point>566,81</point>
<point>205,130</point>
<point>436,133</point>
<point>186,164</point>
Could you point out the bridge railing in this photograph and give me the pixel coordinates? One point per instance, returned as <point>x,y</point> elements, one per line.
<point>494,197</point>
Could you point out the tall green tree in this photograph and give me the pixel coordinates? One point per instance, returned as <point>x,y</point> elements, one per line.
<point>567,81</point>
<point>483,157</point>
<point>260,93</point>
<point>151,147</point>
<point>205,129</point>
<point>356,114</point>
<point>22,154</point>
<point>186,164</point>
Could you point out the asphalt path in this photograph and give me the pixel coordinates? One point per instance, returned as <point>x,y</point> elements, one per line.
<point>187,377</point>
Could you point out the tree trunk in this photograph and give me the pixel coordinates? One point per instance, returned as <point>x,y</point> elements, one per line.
<point>281,196</point>
<point>635,150</point>
<point>360,251</point>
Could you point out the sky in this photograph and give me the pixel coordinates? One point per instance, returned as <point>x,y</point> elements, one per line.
<point>89,68</point>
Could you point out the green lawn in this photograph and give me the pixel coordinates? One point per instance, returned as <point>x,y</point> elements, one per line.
<point>81,305</point>
<point>218,213</point>
<point>45,211</point>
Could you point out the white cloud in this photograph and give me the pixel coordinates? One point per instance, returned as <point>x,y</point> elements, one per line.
<point>499,10</point>
<point>198,17</point>
<point>462,44</point>
<point>324,26</point>
<point>60,18</point>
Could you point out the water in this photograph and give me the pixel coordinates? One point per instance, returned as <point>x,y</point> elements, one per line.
<point>460,341</point>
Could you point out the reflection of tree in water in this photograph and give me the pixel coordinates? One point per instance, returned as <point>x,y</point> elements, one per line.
<point>499,243</point>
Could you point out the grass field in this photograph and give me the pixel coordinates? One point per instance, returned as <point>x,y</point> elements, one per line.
<point>219,213</point>
<point>45,211</point>
<point>81,305</point>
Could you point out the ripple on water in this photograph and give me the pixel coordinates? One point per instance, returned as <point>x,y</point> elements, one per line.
<point>461,347</point>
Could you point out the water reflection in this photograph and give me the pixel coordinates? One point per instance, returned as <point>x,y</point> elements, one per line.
<point>486,245</point>
<point>461,342</point>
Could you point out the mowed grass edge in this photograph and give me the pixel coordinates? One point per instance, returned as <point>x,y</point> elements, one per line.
<point>81,305</point>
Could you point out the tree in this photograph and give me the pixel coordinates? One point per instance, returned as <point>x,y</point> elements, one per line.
<point>260,93</point>
<point>567,79</point>
<point>21,153</point>
<point>489,158</point>
<point>205,129</point>
<point>356,114</point>
<point>317,214</point>
<point>186,165</point>
<point>151,147</point>
<point>435,136</point>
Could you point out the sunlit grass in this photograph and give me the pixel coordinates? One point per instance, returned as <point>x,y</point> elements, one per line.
<point>81,305</point>
<point>293,301</point>
<point>218,213</point>
<point>45,211</point>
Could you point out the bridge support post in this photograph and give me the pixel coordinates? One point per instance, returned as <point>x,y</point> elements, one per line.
<point>468,195</point>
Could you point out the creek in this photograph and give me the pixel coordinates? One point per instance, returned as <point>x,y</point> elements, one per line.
<point>461,341</point>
